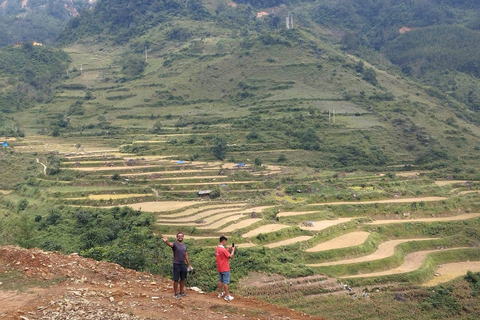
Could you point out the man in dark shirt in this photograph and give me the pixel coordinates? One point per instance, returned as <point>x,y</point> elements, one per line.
<point>180,256</point>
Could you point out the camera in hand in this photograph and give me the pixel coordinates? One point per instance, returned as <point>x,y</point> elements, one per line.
<point>233,245</point>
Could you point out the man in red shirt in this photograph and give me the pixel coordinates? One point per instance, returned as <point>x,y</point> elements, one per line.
<point>223,255</point>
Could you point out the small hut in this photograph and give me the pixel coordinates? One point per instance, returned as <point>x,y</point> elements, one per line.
<point>204,193</point>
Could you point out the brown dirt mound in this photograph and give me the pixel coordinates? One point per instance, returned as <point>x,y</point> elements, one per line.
<point>49,285</point>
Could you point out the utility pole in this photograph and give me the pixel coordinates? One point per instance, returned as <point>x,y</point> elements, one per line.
<point>146,53</point>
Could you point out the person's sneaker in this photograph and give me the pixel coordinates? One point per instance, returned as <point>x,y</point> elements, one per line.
<point>220,295</point>
<point>177,296</point>
<point>183,294</point>
<point>228,298</point>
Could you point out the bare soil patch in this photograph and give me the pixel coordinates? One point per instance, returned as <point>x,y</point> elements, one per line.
<point>344,241</point>
<point>385,249</point>
<point>450,271</point>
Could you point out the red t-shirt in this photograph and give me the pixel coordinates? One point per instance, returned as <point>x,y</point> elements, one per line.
<point>222,256</point>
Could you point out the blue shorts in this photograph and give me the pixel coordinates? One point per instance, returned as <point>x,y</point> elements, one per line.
<point>179,271</point>
<point>224,277</point>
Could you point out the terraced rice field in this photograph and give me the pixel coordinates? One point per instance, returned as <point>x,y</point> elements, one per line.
<point>344,241</point>
<point>464,216</point>
<point>413,261</point>
<point>265,229</point>
<point>385,249</point>
<point>240,225</point>
<point>117,196</point>
<point>162,206</point>
<point>321,225</point>
<point>400,200</point>
<point>211,218</point>
<point>450,271</point>
<point>288,241</point>
<point>294,213</point>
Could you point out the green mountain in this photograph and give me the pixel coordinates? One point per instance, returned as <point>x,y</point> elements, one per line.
<point>201,67</point>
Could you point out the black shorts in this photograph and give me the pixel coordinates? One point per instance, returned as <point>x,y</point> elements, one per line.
<point>179,271</point>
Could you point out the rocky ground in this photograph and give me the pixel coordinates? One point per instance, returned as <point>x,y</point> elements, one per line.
<point>48,285</point>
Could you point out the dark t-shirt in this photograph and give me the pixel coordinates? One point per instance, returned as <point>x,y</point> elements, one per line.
<point>179,250</point>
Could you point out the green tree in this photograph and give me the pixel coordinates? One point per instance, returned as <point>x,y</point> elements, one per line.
<point>219,148</point>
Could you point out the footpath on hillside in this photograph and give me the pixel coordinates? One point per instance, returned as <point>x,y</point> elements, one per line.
<point>48,285</point>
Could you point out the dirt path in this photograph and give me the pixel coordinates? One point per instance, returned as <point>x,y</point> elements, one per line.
<point>412,262</point>
<point>265,229</point>
<point>288,241</point>
<point>44,167</point>
<point>324,224</point>
<point>385,249</point>
<point>451,271</point>
<point>88,289</point>
<point>345,241</point>
<point>464,216</point>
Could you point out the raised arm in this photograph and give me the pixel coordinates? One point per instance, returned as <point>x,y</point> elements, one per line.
<point>164,238</point>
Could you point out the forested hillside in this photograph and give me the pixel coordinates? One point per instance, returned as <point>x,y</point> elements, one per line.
<point>36,20</point>
<point>28,74</point>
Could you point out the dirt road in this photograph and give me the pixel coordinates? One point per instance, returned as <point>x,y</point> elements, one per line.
<point>58,287</point>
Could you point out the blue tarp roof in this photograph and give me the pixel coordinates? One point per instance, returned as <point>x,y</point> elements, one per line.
<point>241,164</point>
<point>180,161</point>
<point>5,144</point>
